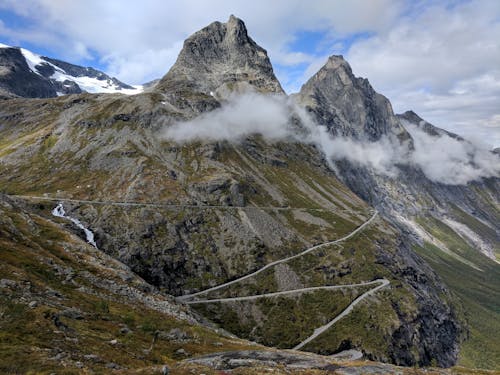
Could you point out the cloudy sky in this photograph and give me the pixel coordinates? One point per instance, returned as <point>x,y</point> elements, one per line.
<point>439,58</point>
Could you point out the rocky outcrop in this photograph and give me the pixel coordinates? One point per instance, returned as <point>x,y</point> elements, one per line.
<point>289,362</point>
<point>219,59</point>
<point>348,105</point>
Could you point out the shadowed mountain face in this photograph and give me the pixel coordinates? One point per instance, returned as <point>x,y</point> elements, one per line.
<point>203,213</point>
<point>25,74</point>
<point>17,79</point>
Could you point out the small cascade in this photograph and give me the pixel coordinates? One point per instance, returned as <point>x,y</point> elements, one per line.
<point>59,212</point>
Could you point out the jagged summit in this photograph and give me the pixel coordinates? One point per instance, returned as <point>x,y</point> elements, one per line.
<point>337,61</point>
<point>348,105</point>
<point>219,59</point>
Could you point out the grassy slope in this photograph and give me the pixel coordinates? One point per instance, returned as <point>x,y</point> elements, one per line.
<point>367,327</point>
<point>284,321</point>
<point>37,254</point>
<point>479,292</point>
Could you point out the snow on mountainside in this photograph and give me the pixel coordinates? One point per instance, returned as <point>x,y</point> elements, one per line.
<point>71,79</point>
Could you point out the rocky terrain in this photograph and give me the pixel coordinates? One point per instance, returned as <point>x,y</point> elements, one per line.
<point>177,218</point>
<point>218,60</point>
<point>348,105</point>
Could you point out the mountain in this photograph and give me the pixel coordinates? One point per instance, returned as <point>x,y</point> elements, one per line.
<point>26,74</point>
<point>182,217</point>
<point>453,226</point>
<point>348,105</point>
<point>219,59</point>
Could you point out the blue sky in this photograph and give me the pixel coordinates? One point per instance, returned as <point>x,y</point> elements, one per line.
<point>439,58</point>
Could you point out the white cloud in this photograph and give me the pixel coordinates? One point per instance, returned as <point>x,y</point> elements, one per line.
<point>450,161</point>
<point>142,64</point>
<point>113,28</point>
<point>237,119</point>
<point>442,159</point>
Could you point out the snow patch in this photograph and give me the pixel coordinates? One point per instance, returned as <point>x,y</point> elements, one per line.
<point>59,212</point>
<point>93,85</point>
<point>32,59</point>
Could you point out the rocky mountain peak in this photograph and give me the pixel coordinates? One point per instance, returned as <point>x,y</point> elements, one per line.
<point>336,62</point>
<point>237,30</point>
<point>348,105</point>
<point>219,59</point>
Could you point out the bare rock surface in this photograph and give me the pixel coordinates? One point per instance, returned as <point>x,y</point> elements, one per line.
<point>219,59</point>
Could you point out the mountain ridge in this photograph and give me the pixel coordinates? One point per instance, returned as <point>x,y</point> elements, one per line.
<point>48,77</point>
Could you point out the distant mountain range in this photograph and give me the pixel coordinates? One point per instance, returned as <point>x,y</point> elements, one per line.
<point>26,74</point>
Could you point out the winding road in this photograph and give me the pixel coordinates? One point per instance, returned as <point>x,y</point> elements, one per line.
<point>269,265</point>
<point>318,331</point>
<point>163,205</point>
<point>348,309</point>
<point>293,291</point>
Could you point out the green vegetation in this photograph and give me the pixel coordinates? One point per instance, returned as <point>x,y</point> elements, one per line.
<point>478,290</point>
<point>282,321</point>
<point>292,319</point>
<point>46,265</point>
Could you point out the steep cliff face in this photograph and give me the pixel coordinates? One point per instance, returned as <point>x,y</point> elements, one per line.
<point>348,105</point>
<point>219,59</point>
